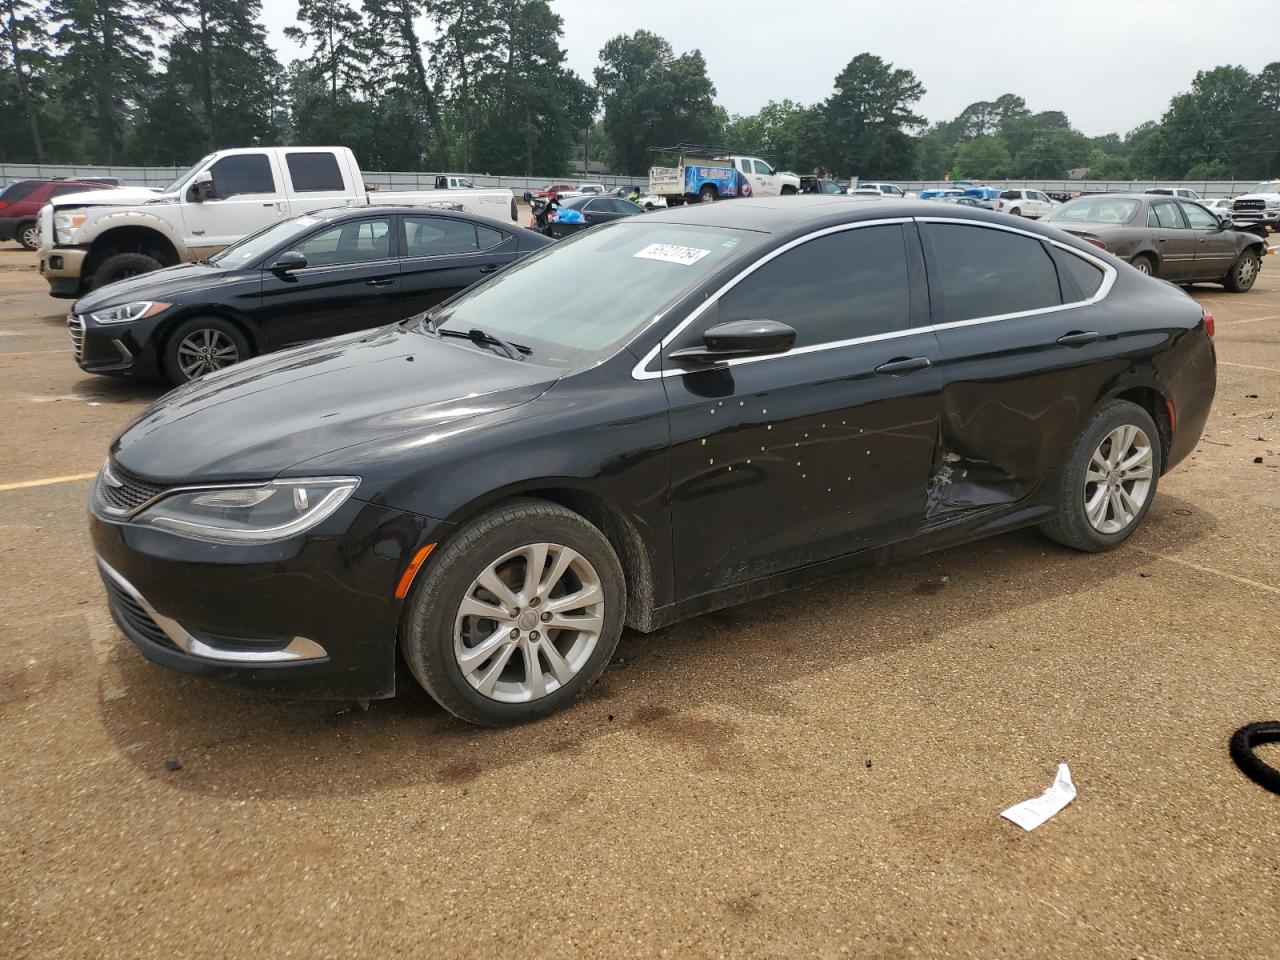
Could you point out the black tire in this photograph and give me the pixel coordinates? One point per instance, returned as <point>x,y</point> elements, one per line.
<point>427,637</point>
<point>708,194</point>
<point>28,234</point>
<point>1015,212</point>
<point>1244,273</point>
<point>121,267</point>
<point>1070,525</point>
<point>220,331</point>
<point>1144,263</point>
<point>1243,742</point>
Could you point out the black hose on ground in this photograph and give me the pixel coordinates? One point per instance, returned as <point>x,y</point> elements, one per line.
<point>1243,742</point>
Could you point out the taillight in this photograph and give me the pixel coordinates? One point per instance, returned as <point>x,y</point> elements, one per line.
<point>1096,242</point>
<point>1208,323</point>
<point>999,204</point>
<point>3,204</point>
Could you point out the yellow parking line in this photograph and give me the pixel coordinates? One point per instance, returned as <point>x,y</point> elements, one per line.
<point>24,484</point>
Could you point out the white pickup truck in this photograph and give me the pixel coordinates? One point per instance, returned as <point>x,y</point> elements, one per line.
<point>704,178</point>
<point>91,239</point>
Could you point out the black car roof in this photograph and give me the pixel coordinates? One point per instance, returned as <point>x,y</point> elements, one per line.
<point>339,214</point>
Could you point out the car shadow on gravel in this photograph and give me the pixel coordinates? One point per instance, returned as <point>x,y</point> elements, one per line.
<point>118,389</point>
<point>695,686</point>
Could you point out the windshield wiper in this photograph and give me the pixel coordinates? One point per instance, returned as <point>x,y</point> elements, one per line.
<point>515,351</point>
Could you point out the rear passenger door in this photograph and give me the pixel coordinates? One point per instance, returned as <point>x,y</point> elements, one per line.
<point>443,255</point>
<point>792,459</point>
<point>1175,242</point>
<point>316,181</point>
<point>1215,247</point>
<point>1020,347</point>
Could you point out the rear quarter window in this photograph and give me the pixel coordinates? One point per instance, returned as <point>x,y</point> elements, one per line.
<point>1081,278</point>
<point>986,272</point>
<point>314,172</point>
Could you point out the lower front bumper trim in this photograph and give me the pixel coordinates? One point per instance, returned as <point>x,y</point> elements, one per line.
<point>296,650</point>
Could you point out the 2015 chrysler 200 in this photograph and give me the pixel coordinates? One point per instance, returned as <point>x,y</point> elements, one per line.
<point>654,419</point>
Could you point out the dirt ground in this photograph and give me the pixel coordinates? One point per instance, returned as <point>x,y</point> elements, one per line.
<point>818,774</point>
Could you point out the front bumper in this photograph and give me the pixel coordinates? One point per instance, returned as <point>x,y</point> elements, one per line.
<point>61,267</point>
<point>117,348</point>
<point>313,617</point>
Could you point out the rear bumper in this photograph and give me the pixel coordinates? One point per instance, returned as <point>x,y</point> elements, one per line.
<point>61,267</point>
<point>9,226</point>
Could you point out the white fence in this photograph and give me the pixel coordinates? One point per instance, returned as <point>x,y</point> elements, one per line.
<point>163,176</point>
<point>1206,188</point>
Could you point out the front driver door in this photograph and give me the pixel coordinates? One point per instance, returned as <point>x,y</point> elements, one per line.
<point>784,461</point>
<point>247,196</point>
<point>351,282</point>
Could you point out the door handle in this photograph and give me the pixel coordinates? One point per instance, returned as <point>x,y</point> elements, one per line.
<point>269,204</point>
<point>381,282</point>
<point>489,268</point>
<point>1162,239</point>
<point>1078,338</point>
<point>904,365</point>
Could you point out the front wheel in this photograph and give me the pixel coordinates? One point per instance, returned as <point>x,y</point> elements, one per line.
<point>1109,480</point>
<point>517,615</point>
<point>1244,273</point>
<point>29,235</point>
<point>788,190</point>
<point>122,266</point>
<point>202,345</point>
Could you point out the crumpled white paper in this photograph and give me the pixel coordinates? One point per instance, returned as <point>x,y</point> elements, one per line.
<point>1031,813</point>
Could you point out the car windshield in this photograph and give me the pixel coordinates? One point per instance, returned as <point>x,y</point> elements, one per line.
<point>185,175</point>
<point>576,300</point>
<point>1267,186</point>
<point>246,252</point>
<point>1094,210</point>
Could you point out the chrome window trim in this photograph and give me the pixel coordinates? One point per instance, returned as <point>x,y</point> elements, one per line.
<point>330,267</point>
<point>638,372</point>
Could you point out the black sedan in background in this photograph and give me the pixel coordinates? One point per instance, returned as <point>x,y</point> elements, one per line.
<point>1167,237</point>
<point>594,210</point>
<point>319,275</point>
<point>719,402</point>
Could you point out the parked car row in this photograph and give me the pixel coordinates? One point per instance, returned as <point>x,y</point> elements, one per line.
<point>20,204</point>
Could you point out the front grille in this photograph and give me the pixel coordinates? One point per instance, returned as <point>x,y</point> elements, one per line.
<point>75,326</point>
<point>132,614</point>
<point>122,491</point>
<point>1249,205</point>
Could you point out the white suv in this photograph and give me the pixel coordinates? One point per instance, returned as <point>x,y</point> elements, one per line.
<point>889,191</point>
<point>1025,203</point>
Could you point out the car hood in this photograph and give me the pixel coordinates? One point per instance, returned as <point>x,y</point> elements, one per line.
<point>257,419</point>
<point>166,284</point>
<point>115,197</point>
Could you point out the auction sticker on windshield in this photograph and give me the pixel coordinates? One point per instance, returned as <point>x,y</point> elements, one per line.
<point>671,253</point>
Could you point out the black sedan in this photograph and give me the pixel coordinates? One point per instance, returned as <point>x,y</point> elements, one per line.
<point>319,275</point>
<point>720,401</point>
<point>593,212</point>
<point>1167,237</point>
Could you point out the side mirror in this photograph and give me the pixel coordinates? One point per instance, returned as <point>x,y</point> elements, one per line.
<point>739,338</point>
<point>287,262</point>
<point>202,187</point>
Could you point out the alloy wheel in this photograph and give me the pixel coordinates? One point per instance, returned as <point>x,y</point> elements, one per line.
<point>203,351</point>
<point>1118,480</point>
<point>30,236</point>
<point>1143,265</point>
<point>1246,270</point>
<point>529,622</point>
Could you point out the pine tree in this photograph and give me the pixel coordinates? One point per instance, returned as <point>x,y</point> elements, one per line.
<point>106,48</point>
<point>332,29</point>
<point>24,33</point>
<point>464,55</point>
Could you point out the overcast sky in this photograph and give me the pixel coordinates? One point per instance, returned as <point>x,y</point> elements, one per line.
<point>1109,64</point>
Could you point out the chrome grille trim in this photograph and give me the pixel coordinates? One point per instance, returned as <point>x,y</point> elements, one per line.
<point>75,327</point>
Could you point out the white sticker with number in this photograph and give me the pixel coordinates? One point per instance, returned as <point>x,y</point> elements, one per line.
<point>671,253</point>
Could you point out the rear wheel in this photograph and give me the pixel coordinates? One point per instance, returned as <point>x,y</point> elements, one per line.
<point>1109,481</point>
<point>122,266</point>
<point>29,235</point>
<point>708,194</point>
<point>1244,273</point>
<point>517,615</point>
<point>1016,212</point>
<point>1144,264</point>
<point>202,345</point>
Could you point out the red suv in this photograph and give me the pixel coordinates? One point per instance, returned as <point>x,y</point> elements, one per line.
<point>20,205</point>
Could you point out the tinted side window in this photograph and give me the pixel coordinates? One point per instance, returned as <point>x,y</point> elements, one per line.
<point>16,191</point>
<point>438,237</point>
<point>1199,217</point>
<point>245,173</point>
<point>845,285</point>
<point>488,237</point>
<point>1081,279</point>
<point>1165,215</point>
<point>987,273</point>
<point>313,172</point>
<point>357,241</point>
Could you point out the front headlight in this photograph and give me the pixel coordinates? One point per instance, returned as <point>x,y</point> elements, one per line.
<point>129,311</point>
<point>259,513</point>
<point>65,224</point>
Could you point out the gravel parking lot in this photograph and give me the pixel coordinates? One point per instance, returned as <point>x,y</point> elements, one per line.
<point>819,774</point>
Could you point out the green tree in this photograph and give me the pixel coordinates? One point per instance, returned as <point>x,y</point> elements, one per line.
<point>982,158</point>
<point>865,118</point>
<point>331,29</point>
<point>1221,123</point>
<point>652,98</point>
<point>465,55</point>
<point>777,132</point>
<point>105,49</point>
<point>1107,166</point>
<point>24,41</point>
